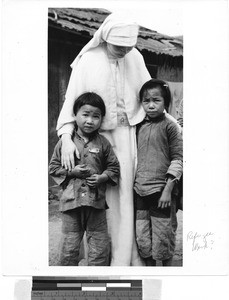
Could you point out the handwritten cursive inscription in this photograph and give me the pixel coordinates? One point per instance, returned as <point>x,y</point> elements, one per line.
<point>200,241</point>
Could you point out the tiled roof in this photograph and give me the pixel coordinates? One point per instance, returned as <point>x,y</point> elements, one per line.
<point>87,20</point>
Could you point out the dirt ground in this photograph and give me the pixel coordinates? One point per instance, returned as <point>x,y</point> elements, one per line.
<point>55,229</point>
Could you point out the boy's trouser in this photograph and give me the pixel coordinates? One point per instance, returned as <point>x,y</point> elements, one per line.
<point>155,227</point>
<point>74,223</point>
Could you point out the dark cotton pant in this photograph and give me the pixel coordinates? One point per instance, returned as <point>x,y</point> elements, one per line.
<point>155,227</point>
<point>74,223</point>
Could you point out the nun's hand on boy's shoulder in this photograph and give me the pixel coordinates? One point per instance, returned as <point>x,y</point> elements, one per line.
<point>165,200</point>
<point>68,150</point>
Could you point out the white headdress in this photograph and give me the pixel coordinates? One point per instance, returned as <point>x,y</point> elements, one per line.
<point>116,30</point>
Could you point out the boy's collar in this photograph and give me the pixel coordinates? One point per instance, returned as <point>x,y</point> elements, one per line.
<point>90,137</point>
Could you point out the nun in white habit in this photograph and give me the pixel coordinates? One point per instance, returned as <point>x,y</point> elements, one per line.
<point>110,66</point>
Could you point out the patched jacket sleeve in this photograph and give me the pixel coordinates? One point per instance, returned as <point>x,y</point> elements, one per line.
<point>111,164</point>
<point>176,151</point>
<point>56,170</point>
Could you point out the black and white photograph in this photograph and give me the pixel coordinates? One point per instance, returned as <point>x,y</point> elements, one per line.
<point>120,197</point>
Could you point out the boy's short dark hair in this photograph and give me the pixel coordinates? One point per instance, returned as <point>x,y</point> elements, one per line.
<point>157,83</point>
<point>89,98</point>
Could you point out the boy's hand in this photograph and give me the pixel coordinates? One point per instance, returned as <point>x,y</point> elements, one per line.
<point>165,200</point>
<point>96,179</point>
<point>80,171</point>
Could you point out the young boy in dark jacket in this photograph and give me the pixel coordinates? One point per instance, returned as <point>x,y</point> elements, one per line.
<point>83,202</point>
